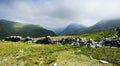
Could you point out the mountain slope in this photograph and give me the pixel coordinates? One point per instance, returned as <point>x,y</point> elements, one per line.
<point>72,29</point>
<point>102,34</point>
<point>105,25</point>
<point>8,28</point>
<point>100,26</point>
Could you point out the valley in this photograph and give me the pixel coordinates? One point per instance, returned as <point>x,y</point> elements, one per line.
<point>59,32</point>
<point>45,48</point>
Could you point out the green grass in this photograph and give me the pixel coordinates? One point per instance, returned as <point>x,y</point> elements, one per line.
<point>32,53</point>
<point>109,54</point>
<point>98,35</point>
<point>45,55</point>
<point>55,38</point>
<point>63,55</point>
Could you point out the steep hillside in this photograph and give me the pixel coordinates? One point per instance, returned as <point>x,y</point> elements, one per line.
<point>100,26</point>
<point>104,25</point>
<point>8,28</point>
<point>72,29</point>
<point>102,34</point>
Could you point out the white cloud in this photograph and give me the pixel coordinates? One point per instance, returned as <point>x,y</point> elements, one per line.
<point>60,13</point>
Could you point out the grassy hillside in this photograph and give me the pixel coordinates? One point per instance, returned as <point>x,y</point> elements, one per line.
<point>8,28</point>
<point>110,54</point>
<point>23,54</point>
<point>104,25</point>
<point>102,34</point>
<point>100,26</point>
<point>88,36</point>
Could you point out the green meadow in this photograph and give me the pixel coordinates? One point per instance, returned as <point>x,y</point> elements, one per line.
<point>24,54</point>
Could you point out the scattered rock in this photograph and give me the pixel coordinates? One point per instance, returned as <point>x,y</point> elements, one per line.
<point>17,57</point>
<point>113,47</point>
<point>104,62</point>
<point>21,51</point>
<point>98,46</point>
<point>79,50</point>
<point>55,64</point>
<point>91,58</point>
<point>5,59</point>
<point>36,63</point>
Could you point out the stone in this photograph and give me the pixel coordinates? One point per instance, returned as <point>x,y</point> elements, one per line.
<point>55,64</point>
<point>104,62</point>
<point>21,50</point>
<point>91,58</point>
<point>79,50</point>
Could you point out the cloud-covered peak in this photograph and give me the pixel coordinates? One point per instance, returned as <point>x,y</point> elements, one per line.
<point>59,13</point>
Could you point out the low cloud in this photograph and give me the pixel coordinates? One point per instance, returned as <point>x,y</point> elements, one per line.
<point>59,13</point>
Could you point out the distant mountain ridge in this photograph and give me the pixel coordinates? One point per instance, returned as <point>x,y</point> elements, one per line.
<point>100,26</point>
<point>72,29</point>
<point>9,28</point>
<point>104,25</point>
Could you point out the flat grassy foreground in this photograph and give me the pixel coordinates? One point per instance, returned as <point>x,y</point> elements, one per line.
<point>23,54</point>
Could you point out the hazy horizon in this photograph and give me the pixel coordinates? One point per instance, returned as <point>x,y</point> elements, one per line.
<point>59,13</point>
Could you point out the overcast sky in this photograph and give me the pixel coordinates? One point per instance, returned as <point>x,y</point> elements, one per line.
<point>59,13</point>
